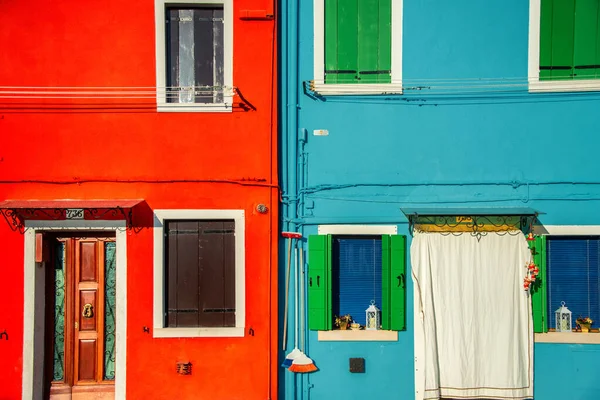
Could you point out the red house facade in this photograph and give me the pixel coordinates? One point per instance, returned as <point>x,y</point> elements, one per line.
<point>139,195</point>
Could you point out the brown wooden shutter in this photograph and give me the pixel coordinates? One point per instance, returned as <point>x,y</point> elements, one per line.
<point>200,273</point>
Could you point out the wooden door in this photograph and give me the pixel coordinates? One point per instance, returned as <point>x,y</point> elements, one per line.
<point>86,357</point>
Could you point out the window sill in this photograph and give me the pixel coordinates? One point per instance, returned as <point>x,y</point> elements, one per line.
<point>583,85</point>
<point>566,337</point>
<point>358,336</point>
<point>197,332</point>
<point>356,89</point>
<point>182,107</point>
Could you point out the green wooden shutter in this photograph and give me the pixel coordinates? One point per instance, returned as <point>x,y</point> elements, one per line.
<point>546,39</point>
<point>538,291</point>
<point>584,49</point>
<point>562,38</point>
<point>341,41</point>
<point>557,32</point>
<point>597,70</point>
<point>386,273</point>
<point>393,282</point>
<point>358,36</point>
<point>319,282</point>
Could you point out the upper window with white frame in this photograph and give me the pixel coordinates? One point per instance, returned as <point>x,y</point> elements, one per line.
<point>199,273</point>
<point>193,55</point>
<point>358,46</point>
<point>564,48</point>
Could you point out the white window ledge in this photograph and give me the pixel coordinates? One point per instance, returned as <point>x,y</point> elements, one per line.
<point>566,337</point>
<point>356,89</point>
<point>582,85</point>
<point>357,336</point>
<point>197,332</point>
<point>190,107</point>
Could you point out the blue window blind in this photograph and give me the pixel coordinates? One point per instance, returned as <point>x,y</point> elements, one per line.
<point>356,275</point>
<point>573,276</point>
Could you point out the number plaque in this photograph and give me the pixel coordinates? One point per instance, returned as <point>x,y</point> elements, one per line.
<point>74,213</point>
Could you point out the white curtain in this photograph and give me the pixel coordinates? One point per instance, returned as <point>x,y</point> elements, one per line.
<point>473,325</point>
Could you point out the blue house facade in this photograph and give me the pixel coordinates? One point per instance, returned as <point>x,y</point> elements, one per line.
<point>398,116</point>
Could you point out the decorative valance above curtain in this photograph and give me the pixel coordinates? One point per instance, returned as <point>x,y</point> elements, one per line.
<point>475,221</point>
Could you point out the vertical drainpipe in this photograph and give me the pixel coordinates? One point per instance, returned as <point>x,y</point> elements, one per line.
<point>291,30</point>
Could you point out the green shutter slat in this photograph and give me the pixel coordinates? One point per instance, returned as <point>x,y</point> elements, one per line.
<point>563,19</point>
<point>585,37</point>
<point>319,282</point>
<point>538,291</point>
<point>331,41</point>
<point>385,41</point>
<point>386,270</point>
<point>347,41</point>
<point>398,282</point>
<point>546,39</point>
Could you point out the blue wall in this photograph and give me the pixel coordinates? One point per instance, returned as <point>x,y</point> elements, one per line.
<point>482,149</point>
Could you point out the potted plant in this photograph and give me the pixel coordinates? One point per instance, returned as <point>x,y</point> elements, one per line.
<point>343,321</point>
<point>584,323</point>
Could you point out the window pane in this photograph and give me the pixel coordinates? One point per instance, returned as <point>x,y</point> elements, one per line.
<point>356,274</point>
<point>195,55</point>
<point>200,284</point>
<point>59,312</point>
<point>573,276</point>
<point>110,280</point>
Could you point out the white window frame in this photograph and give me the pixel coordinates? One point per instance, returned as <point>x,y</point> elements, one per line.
<point>362,335</point>
<point>161,59</point>
<point>567,230</point>
<point>354,88</point>
<point>535,84</point>
<point>160,331</point>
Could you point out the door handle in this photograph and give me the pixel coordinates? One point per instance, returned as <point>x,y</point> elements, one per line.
<point>318,279</point>
<point>400,280</point>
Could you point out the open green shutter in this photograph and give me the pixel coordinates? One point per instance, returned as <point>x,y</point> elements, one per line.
<point>584,50</point>
<point>319,282</point>
<point>386,273</point>
<point>597,70</point>
<point>398,282</point>
<point>393,282</point>
<point>538,291</point>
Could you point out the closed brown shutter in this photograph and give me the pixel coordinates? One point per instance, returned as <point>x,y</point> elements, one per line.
<point>200,273</point>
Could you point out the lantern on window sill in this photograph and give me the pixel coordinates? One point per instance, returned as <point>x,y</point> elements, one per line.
<point>563,319</point>
<point>373,317</point>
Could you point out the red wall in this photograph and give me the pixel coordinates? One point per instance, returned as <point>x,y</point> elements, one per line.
<point>90,149</point>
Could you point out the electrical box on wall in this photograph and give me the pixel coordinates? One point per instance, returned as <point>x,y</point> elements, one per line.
<point>357,365</point>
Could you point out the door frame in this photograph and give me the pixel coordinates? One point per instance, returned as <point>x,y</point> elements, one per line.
<point>34,302</point>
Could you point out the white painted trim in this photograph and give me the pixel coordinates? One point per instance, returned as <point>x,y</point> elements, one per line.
<point>33,303</point>
<point>357,229</point>
<point>566,230</point>
<point>198,332</point>
<point>161,78</point>
<point>357,336</point>
<point>30,275</point>
<point>319,85</point>
<point>121,317</point>
<point>159,330</point>
<point>533,67</point>
<point>566,337</point>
